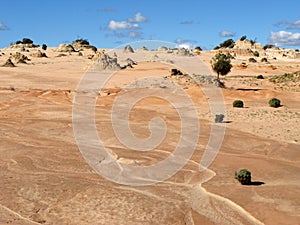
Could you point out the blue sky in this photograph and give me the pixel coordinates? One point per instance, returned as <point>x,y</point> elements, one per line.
<point>110,23</point>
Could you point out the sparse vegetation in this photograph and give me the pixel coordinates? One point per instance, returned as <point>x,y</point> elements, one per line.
<point>293,77</point>
<point>238,104</point>
<point>264,60</point>
<point>252,60</point>
<point>260,77</point>
<point>44,47</point>
<point>243,38</point>
<point>81,41</point>
<point>229,43</point>
<point>221,64</point>
<point>27,41</point>
<point>268,46</point>
<point>256,54</point>
<point>175,72</point>
<point>243,176</point>
<point>274,102</point>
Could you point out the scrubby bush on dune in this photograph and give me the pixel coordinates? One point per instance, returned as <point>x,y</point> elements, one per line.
<point>256,54</point>
<point>252,60</point>
<point>264,60</point>
<point>44,47</point>
<point>268,46</point>
<point>274,102</point>
<point>243,38</point>
<point>243,176</point>
<point>238,104</point>
<point>260,77</point>
<point>27,41</point>
<point>175,72</point>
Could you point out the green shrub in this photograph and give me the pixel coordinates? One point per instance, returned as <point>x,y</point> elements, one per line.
<point>44,47</point>
<point>274,102</point>
<point>264,60</point>
<point>244,177</point>
<point>176,72</point>
<point>243,38</point>
<point>27,41</point>
<point>238,104</point>
<point>268,46</point>
<point>256,54</point>
<point>260,77</point>
<point>252,60</point>
<point>229,43</point>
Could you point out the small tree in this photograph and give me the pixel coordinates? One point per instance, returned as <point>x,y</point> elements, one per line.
<point>221,64</point>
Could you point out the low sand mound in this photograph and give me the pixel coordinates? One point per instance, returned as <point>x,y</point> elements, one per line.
<point>105,62</point>
<point>39,54</point>
<point>65,48</point>
<point>19,58</point>
<point>8,63</point>
<point>183,52</point>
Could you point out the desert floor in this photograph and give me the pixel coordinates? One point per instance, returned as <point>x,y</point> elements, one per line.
<point>45,179</point>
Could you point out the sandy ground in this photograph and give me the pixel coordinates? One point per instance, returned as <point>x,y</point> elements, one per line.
<point>45,179</point>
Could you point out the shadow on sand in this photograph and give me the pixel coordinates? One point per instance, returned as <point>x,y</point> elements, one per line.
<point>256,183</point>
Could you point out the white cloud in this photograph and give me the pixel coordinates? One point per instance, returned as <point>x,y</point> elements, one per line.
<point>3,26</point>
<point>185,45</point>
<point>134,34</point>
<point>284,38</point>
<point>138,18</point>
<point>290,25</point>
<point>226,33</point>
<point>121,25</point>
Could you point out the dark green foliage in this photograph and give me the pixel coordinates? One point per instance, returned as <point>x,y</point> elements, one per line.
<point>243,38</point>
<point>229,43</point>
<point>260,77</point>
<point>252,60</point>
<point>238,104</point>
<point>44,47</point>
<point>274,102</point>
<point>221,64</point>
<point>268,46</point>
<point>264,60</point>
<point>253,41</point>
<point>18,42</point>
<point>176,72</point>
<point>296,50</point>
<point>81,41</point>
<point>198,48</point>
<point>256,54</point>
<point>27,41</point>
<point>244,177</point>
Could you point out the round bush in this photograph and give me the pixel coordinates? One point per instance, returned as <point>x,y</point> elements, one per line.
<point>238,104</point>
<point>244,177</point>
<point>274,102</point>
<point>260,77</point>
